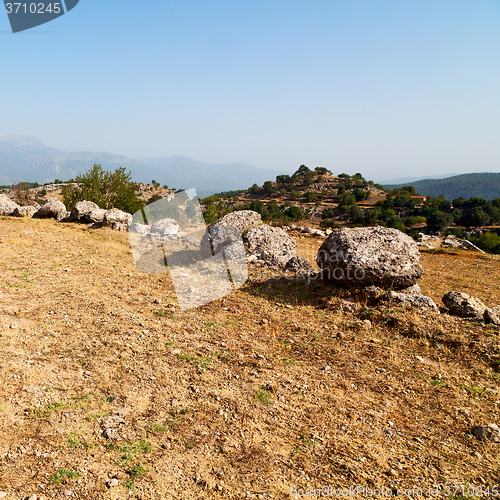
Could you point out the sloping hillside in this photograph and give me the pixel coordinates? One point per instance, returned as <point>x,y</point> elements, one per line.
<point>484,185</point>
<point>107,388</point>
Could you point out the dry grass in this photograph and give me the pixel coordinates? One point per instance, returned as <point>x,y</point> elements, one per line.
<point>80,326</point>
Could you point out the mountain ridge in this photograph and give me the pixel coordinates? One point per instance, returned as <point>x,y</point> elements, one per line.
<point>481,185</point>
<point>26,158</point>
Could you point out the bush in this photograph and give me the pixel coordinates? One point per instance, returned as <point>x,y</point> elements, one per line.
<point>22,194</point>
<point>329,223</point>
<point>310,196</point>
<point>106,189</point>
<point>294,213</point>
<point>489,242</point>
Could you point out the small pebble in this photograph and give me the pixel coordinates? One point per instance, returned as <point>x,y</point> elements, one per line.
<point>68,493</point>
<point>388,432</point>
<point>3,494</point>
<point>111,483</point>
<point>32,497</point>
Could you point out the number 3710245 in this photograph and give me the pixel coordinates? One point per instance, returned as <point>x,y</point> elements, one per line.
<point>33,8</point>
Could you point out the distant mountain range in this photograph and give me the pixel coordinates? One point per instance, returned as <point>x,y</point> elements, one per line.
<point>25,158</point>
<point>482,185</point>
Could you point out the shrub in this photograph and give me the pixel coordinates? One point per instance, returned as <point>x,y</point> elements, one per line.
<point>489,242</point>
<point>22,194</point>
<point>310,196</point>
<point>106,189</point>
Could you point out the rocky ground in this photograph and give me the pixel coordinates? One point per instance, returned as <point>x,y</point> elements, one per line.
<point>108,390</point>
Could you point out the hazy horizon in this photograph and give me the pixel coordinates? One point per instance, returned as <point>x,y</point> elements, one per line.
<point>390,90</point>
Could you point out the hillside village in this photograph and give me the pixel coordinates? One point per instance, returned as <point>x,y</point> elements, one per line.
<point>306,376</point>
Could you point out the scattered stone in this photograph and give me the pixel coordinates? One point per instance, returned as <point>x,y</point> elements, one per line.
<point>413,290</point>
<point>413,300</point>
<point>299,265</point>
<point>117,219</point>
<point>364,256</point>
<point>138,228</point>
<point>111,434</point>
<point>420,358</point>
<point>3,494</point>
<point>7,206</point>
<point>165,229</point>
<point>371,294</point>
<point>32,497</point>
<point>278,247</point>
<point>478,455</point>
<point>28,211</point>
<point>95,216</point>
<point>112,423</point>
<point>489,432</point>
<point>464,305</point>
<point>51,209</point>
<point>112,483</point>
<point>388,432</point>
<point>81,210</point>
<point>68,493</point>
<point>454,242</point>
<point>228,229</point>
<point>347,306</point>
<point>492,315</point>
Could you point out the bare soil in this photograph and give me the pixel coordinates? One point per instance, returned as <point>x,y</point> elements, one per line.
<point>271,388</point>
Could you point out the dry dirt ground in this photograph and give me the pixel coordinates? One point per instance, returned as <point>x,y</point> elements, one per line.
<point>270,389</point>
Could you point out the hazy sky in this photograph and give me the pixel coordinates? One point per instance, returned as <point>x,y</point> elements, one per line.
<point>385,88</point>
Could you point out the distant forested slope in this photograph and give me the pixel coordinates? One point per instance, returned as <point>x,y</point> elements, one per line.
<point>485,185</point>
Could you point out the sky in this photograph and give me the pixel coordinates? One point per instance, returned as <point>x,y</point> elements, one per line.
<point>387,88</point>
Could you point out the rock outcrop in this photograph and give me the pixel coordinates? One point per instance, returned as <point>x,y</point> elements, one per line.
<point>165,229</point>
<point>228,229</point>
<point>81,210</point>
<point>299,265</point>
<point>454,242</point>
<point>7,206</point>
<point>492,315</point>
<point>271,244</point>
<point>488,432</point>
<point>116,219</point>
<point>51,209</point>
<point>364,256</point>
<point>413,300</point>
<point>95,216</point>
<point>25,211</point>
<point>138,228</point>
<point>464,305</point>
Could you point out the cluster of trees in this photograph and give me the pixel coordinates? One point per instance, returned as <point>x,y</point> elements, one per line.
<point>483,185</point>
<point>271,211</point>
<point>287,183</point>
<point>441,213</point>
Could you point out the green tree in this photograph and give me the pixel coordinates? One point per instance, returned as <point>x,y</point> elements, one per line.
<point>106,189</point>
<point>439,220</point>
<point>268,188</point>
<point>310,196</point>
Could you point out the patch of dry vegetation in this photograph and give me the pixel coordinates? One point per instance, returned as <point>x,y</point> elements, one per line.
<point>271,387</point>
